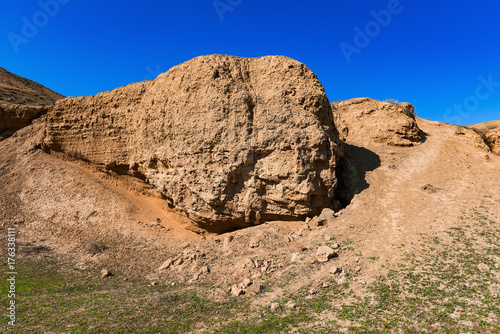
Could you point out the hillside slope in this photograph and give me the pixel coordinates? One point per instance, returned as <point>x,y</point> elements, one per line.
<point>18,90</point>
<point>21,101</point>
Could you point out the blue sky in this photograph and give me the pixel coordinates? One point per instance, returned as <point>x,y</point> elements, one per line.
<point>444,57</point>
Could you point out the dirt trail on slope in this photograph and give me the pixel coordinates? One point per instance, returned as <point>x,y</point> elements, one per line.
<point>418,190</point>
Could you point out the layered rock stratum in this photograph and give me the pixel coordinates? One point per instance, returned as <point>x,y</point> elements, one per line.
<point>230,141</point>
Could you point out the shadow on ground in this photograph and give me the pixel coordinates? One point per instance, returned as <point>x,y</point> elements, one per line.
<point>351,171</point>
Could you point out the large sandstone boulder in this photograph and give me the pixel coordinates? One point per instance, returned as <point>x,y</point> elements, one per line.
<point>362,120</point>
<point>231,141</point>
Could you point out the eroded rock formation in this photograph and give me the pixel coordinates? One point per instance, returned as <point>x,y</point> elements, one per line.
<point>231,141</point>
<point>364,119</point>
<point>15,116</point>
<point>490,133</point>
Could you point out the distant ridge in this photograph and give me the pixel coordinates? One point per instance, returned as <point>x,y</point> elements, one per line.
<point>15,89</point>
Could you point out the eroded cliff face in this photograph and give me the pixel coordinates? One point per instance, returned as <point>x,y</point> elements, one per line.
<point>15,116</point>
<point>231,141</point>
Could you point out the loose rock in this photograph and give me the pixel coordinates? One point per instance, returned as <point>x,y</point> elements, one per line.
<point>325,253</point>
<point>166,264</point>
<point>106,273</point>
<point>236,291</point>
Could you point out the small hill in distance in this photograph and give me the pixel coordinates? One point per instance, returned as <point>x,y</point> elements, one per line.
<point>15,89</point>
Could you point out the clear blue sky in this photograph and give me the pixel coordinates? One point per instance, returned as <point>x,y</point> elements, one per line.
<point>431,53</point>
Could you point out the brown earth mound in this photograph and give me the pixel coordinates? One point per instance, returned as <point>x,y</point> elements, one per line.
<point>230,141</point>
<point>21,101</point>
<point>18,90</point>
<point>490,132</point>
<point>364,119</point>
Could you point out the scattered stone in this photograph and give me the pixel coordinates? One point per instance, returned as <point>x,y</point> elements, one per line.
<point>253,289</point>
<point>325,285</point>
<point>313,261</point>
<point>204,270</point>
<point>166,264</point>
<point>361,281</point>
<point>335,270</point>
<point>184,245</point>
<point>256,275</point>
<point>328,237</point>
<point>178,261</point>
<point>486,157</point>
<point>335,246</point>
<point>313,291</point>
<point>236,291</point>
<point>106,273</point>
<point>327,215</point>
<point>316,222</point>
<point>357,259</point>
<point>258,263</point>
<point>325,253</point>
<point>290,304</point>
<point>153,283</point>
<point>274,306</point>
<point>357,269</point>
<point>245,283</point>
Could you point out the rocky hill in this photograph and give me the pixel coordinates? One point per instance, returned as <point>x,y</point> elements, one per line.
<point>21,101</point>
<point>15,89</point>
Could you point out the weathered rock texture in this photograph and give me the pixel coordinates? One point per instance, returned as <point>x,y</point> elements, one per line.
<point>490,132</point>
<point>15,116</point>
<point>364,119</point>
<point>470,136</point>
<point>231,141</point>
